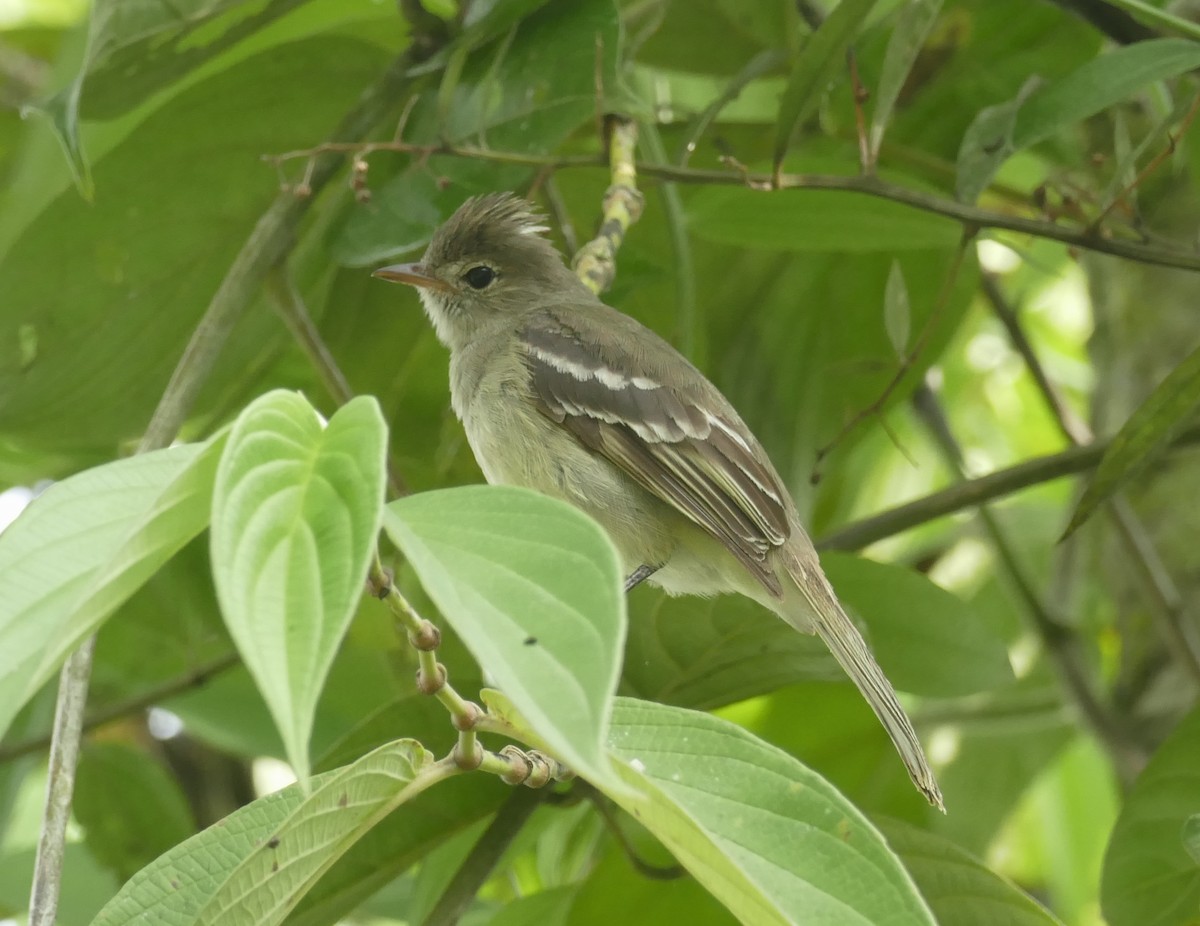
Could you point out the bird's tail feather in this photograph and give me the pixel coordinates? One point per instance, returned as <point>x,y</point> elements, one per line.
<point>847,645</point>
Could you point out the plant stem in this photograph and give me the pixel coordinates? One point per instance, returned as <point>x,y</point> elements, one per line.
<point>968,215</point>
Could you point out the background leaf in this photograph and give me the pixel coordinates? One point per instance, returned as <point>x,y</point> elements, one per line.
<point>958,888</point>
<point>1144,438</point>
<point>83,547</point>
<point>911,620</point>
<point>1150,877</point>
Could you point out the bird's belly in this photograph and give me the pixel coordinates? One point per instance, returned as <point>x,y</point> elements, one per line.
<point>636,521</point>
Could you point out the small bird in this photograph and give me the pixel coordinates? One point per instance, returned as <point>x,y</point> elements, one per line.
<point>560,393</point>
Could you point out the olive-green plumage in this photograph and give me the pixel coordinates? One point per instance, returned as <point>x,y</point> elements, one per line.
<point>561,393</point>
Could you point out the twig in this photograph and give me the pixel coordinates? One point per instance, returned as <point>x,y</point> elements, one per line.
<point>1175,626</point>
<point>127,706</point>
<point>289,304</point>
<point>967,215</point>
<point>1155,162</point>
<point>60,784</point>
<point>595,263</point>
<point>866,159</point>
<point>972,492</point>
<point>475,869</point>
<point>1073,426</point>
<point>1060,642</point>
<point>906,364</point>
<point>613,824</point>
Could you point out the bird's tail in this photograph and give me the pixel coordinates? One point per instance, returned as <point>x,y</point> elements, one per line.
<point>838,632</point>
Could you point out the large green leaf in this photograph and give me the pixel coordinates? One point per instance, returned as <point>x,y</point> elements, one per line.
<point>772,840</point>
<point>960,889</point>
<point>254,866</point>
<point>296,511</point>
<point>1151,873</point>
<point>769,838</point>
<point>533,587</point>
<point>1144,438</point>
<point>83,547</point>
<point>100,300</point>
<point>928,641</point>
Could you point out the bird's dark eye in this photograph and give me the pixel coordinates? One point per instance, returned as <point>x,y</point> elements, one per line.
<point>479,277</point>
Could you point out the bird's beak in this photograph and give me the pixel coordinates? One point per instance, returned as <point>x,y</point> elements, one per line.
<point>412,274</point>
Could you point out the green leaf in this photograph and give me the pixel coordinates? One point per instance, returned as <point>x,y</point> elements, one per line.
<point>1151,876</point>
<point>296,512</point>
<point>960,889</point>
<point>913,26</point>
<point>1102,82</point>
<point>768,837</point>
<point>1039,112</point>
<point>83,547</point>
<point>988,143</point>
<point>821,221</point>
<point>1144,438</point>
<point>610,895</point>
<point>254,866</point>
<point>928,641</point>
<point>897,315</point>
<point>130,808</point>
<point>104,343</point>
<point>705,653</point>
<point>533,587</point>
<point>820,58</point>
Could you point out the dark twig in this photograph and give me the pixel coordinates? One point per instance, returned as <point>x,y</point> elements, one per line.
<point>972,217</point>
<point>611,821</point>
<point>973,492</point>
<point>126,707</point>
<point>1059,641</point>
<point>1175,626</point>
<point>477,867</point>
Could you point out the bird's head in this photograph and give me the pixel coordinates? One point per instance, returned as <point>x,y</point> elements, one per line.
<point>486,260</point>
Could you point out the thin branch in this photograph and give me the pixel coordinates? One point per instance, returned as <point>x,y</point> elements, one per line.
<point>971,216</point>
<point>477,867</point>
<point>646,869</point>
<point>973,492</point>
<point>60,784</point>
<point>129,706</point>
<point>596,262</point>
<point>1170,612</point>
<point>1060,643</point>
<point>1071,424</point>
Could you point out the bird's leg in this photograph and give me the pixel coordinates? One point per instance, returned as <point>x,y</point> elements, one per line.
<point>640,574</point>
